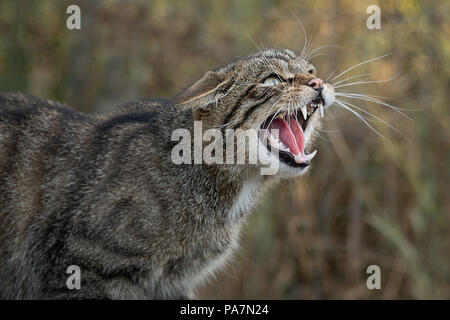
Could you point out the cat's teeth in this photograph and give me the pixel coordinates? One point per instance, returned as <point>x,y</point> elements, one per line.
<point>308,157</point>
<point>321,110</point>
<point>277,143</point>
<point>304,112</point>
<point>281,115</point>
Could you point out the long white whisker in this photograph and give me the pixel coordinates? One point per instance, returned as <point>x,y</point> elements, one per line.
<point>289,113</point>
<point>352,77</point>
<point>307,54</point>
<point>305,41</point>
<point>375,117</point>
<point>259,49</point>
<point>365,82</point>
<point>274,116</point>
<point>344,94</point>
<point>342,105</point>
<point>295,111</point>
<point>322,47</point>
<point>360,64</point>
<point>257,98</point>
<point>331,74</point>
<point>268,112</point>
<point>374,100</point>
<point>321,54</point>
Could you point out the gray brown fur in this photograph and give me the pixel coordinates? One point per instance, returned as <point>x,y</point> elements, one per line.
<point>101,191</point>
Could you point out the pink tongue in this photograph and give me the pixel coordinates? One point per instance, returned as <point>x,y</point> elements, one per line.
<point>290,133</point>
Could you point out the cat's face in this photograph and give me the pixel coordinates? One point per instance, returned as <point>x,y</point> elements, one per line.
<point>275,91</point>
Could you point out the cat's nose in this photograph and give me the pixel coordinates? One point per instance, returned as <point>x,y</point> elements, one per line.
<point>316,84</point>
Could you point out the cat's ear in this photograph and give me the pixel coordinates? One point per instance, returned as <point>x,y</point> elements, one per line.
<point>206,92</point>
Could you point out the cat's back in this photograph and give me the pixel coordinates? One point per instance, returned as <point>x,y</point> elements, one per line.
<point>54,163</point>
<point>46,148</point>
<point>19,109</point>
<point>27,121</point>
<point>32,132</point>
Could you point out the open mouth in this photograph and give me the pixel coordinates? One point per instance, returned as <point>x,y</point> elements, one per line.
<point>285,133</point>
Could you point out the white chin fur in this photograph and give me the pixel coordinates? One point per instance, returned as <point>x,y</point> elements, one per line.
<point>328,94</point>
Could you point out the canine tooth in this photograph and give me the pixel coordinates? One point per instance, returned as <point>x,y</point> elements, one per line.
<point>304,112</point>
<point>321,110</point>
<point>308,157</point>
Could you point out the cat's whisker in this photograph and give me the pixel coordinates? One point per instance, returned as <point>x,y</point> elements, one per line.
<point>228,137</point>
<point>262,94</point>
<point>313,38</point>
<point>373,100</point>
<point>375,117</point>
<point>331,74</point>
<point>321,54</point>
<point>272,68</point>
<point>328,131</point>
<point>310,56</point>
<point>365,82</point>
<point>309,45</point>
<point>295,113</point>
<point>360,64</point>
<point>274,104</point>
<point>291,110</point>
<point>360,117</point>
<point>367,75</point>
<point>350,95</point>
<point>264,59</point>
<point>269,64</point>
<point>274,116</point>
<point>305,35</point>
<point>306,42</point>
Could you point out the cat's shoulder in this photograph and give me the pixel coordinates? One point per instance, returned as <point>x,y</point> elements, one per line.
<point>146,104</point>
<point>141,110</point>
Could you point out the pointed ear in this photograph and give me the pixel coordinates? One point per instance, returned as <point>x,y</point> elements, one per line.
<point>206,92</point>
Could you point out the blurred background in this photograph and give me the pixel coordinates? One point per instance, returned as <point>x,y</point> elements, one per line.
<point>366,200</point>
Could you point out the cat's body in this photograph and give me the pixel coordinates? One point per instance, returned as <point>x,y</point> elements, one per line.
<point>102,193</point>
<point>119,231</point>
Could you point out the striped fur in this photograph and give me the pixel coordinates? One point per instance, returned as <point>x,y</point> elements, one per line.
<point>101,191</point>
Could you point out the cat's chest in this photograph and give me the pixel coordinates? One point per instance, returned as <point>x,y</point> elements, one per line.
<point>245,199</point>
<point>222,245</point>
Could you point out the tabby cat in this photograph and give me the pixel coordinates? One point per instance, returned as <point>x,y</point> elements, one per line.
<point>101,192</point>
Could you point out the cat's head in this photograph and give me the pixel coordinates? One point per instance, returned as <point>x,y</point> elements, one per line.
<point>273,90</point>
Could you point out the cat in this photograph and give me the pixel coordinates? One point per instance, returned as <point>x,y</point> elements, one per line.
<point>101,192</point>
